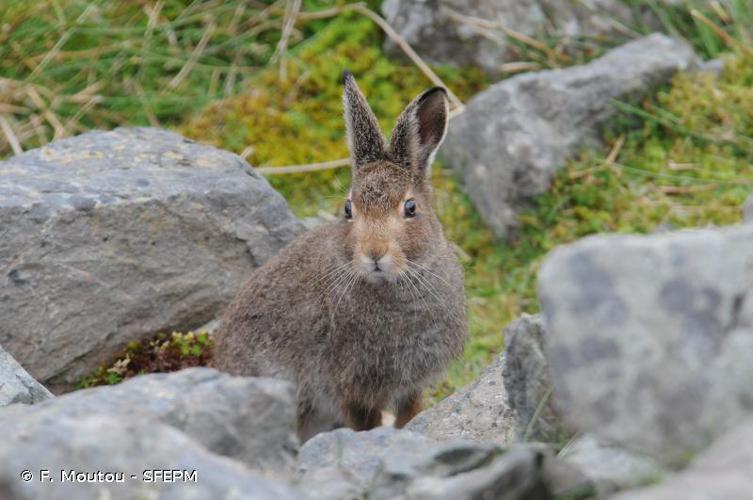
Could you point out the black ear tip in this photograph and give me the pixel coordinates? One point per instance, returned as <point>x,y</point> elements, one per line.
<point>433,92</point>
<point>347,76</point>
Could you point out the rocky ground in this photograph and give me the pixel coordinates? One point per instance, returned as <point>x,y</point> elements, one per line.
<point>598,395</point>
<point>633,382</point>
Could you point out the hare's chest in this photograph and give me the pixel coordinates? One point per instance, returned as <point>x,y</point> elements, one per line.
<point>387,350</point>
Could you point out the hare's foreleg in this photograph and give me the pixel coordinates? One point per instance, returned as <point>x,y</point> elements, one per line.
<point>362,418</point>
<point>407,408</point>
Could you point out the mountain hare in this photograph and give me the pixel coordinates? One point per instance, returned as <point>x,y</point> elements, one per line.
<point>365,312</point>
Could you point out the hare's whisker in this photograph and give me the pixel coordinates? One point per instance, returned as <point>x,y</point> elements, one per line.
<point>347,288</point>
<point>338,282</point>
<point>330,271</point>
<point>420,280</point>
<point>428,271</point>
<point>427,284</point>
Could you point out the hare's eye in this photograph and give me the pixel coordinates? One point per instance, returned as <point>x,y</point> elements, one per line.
<point>409,208</point>
<point>348,210</point>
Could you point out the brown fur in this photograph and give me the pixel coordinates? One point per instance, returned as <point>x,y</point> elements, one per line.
<point>407,408</point>
<point>363,313</point>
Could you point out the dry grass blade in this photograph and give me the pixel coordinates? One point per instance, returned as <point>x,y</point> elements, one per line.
<point>85,95</point>
<point>10,136</point>
<point>728,39</point>
<point>150,116</point>
<point>682,190</point>
<point>291,14</point>
<point>73,123</point>
<point>311,167</point>
<point>491,25</point>
<point>198,50</point>
<point>680,167</point>
<point>247,151</point>
<point>519,66</point>
<point>152,14</point>
<point>615,151</point>
<point>12,108</point>
<point>51,117</point>
<point>52,53</point>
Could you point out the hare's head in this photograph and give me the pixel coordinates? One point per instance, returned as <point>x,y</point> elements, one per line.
<point>391,223</point>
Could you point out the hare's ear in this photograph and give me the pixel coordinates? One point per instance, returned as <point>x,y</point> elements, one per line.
<point>420,131</point>
<point>365,139</point>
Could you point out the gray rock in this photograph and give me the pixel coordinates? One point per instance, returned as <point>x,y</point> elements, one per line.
<point>748,211</point>
<point>713,67</point>
<point>610,468</point>
<point>471,33</point>
<point>118,444</point>
<point>528,382</point>
<point>17,386</point>
<point>723,471</point>
<point>650,336</point>
<point>248,419</point>
<point>518,473</point>
<point>478,412</point>
<point>514,136</point>
<point>110,237</point>
<point>387,463</point>
<point>345,464</point>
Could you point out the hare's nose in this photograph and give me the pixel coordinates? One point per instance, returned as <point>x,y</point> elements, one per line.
<point>376,255</point>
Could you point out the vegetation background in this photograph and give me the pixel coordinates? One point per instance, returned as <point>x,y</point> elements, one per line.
<point>261,78</point>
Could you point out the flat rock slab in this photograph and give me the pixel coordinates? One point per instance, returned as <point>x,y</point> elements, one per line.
<point>651,336</point>
<point>248,419</point>
<point>387,463</point>
<point>67,446</point>
<point>16,385</point>
<point>110,237</point>
<point>479,412</point>
<point>610,468</point>
<point>514,136</point>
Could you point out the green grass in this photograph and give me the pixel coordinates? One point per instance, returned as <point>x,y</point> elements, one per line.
<point>67,66</point>
<point>683,157</point>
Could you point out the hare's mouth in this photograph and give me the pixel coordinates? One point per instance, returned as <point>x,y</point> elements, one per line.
<point>377,269</point>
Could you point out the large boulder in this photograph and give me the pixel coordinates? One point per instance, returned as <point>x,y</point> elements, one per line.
<point>16,385</point>
<point>248,419</point>
<point>528,382</point>
<point>514,136</point>
<point>479,412</point>
<point>387,463</point>
<point>116,457</point>
<point>650,336</point>
<point>472,33</point>
<point>110,237</point>
<point>723,471</point>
